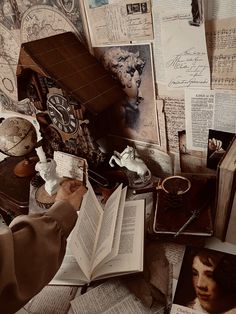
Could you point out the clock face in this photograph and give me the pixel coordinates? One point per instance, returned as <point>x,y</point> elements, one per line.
<point>61,113</point>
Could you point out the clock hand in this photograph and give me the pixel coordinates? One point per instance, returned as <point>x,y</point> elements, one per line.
<point>58,111</point>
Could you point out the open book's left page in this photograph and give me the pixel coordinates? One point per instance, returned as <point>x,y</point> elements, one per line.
<point>85,234</point>
<point>107,230</point>
<point>69,273</point>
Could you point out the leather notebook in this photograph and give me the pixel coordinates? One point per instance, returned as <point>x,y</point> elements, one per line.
<point>170,213</point>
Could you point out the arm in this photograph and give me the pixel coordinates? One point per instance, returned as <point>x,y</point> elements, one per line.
<point>31,252</point>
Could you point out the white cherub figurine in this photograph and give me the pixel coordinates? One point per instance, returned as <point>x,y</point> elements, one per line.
<point>47,171</point>
<point>129,159</point>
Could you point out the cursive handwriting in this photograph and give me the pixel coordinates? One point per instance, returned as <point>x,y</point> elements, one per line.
<point>189,69</point>
<point>193,81</point>
<point>186,59</point>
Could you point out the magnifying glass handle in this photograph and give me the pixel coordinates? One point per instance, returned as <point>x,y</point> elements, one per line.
<point>144,190</point>
<point>153,188</point>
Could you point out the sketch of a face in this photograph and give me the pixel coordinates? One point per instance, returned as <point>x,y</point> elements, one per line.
<point>206,288</point>
<point>127,67</point>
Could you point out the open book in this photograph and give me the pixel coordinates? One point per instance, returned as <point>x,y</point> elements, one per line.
<point>106,242</point>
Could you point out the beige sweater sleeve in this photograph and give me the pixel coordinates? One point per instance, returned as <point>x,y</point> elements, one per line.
<point>31,251</point>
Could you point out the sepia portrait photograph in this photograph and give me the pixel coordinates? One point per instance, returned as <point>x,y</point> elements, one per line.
<point>218,142</point>
<point>207,281</point>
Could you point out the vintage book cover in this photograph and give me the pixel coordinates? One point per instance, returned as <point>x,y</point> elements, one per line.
<point>171,213</point>
<point>226,187</point>
<point>206,282</point>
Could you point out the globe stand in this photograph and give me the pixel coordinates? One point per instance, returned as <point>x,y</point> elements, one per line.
<point>26,167</point>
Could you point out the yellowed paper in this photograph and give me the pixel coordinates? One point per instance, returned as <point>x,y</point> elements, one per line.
<point>219,9</point>
<point>206,110</point>
<point>52,299</point>
<point>221,44</point>
<point>185,53</point>
<point>175,122</point>
<point>118,21</point>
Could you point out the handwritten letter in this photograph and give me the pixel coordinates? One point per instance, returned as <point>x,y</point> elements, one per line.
<point>186,61</point>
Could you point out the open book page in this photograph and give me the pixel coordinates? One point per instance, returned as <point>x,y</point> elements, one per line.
<point>85,234</point>
<point>117,233</point>
<point>130,255</point>
<point>110,297</point>
<point>107,230</point>
<point>69,272</point>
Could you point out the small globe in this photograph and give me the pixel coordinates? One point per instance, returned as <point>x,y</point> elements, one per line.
<point>18,136</point>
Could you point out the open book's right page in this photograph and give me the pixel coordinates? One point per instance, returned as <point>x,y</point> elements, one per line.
<point>130,255</point>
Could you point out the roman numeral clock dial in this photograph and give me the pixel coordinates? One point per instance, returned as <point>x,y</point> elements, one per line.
<point>61,113</point>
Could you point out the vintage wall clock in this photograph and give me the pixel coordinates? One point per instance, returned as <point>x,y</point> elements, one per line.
<point>62,113</point>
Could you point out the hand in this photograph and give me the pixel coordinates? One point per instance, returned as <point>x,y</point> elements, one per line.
<point>215,144</point>
<point>71,191</point>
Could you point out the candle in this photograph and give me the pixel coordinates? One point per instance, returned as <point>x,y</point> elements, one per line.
<point>41,154</point>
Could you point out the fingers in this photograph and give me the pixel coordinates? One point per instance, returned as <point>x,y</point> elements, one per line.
<point>81,189</point>
<point>75,186</point>
<point>71,185</point>
<point>215,144</point>
<point>72,191</point>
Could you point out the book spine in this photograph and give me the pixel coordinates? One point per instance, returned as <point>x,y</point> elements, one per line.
<point>225,186</point>
<point>228,213</point>
<point>223,205</point>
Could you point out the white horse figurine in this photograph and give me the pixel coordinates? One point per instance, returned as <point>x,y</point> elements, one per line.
<point>132,162</point>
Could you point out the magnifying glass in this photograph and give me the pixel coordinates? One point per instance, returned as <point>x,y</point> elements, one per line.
<point>173,185</point>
